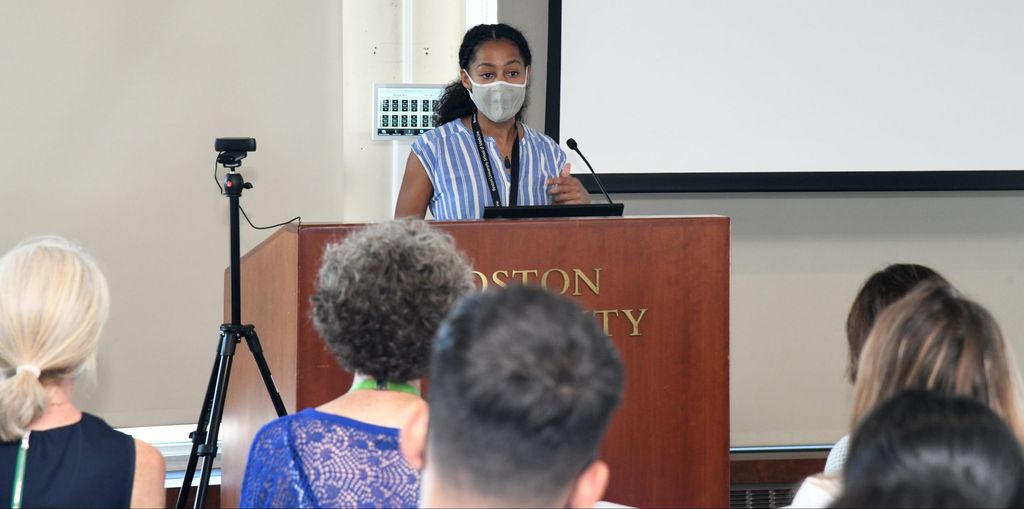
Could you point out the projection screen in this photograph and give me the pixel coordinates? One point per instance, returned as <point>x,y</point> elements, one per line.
<point>670,95</point>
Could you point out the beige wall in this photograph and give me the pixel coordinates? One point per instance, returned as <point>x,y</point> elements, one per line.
<point>107,124</point>
<point>799,259</point>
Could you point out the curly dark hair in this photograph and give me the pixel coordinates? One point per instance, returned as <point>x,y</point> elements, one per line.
<point>455,101</point>
<point>382,293</point>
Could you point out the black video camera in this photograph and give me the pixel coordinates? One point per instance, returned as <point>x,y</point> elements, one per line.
<point>233,150</point>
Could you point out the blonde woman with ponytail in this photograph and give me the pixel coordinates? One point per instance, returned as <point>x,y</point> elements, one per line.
<point>54,302</point>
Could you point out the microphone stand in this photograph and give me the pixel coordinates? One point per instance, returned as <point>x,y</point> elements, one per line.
<point>204,438</point>
<point>571,143</point>
<point>612,209</point>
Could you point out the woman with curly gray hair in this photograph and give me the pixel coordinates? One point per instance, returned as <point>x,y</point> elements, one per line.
<point>380,297</point>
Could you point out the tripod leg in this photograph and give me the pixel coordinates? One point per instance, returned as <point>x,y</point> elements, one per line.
<point>229,338</point>
<point>198,437</point>
<point>253,340</point>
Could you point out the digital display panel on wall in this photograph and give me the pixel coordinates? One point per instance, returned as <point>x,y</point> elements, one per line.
<point>403,110</point>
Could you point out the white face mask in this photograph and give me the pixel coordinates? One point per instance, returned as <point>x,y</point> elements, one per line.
<point>500,100</point>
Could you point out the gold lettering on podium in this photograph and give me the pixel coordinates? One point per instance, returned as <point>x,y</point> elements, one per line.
<point>635,322</point>
<point>525,274</point>
<point>594,285</point>
<point>565,280</point>
<point>559,281</point>
<point>500,282</point>
<point>503,277</point>
<point>604,318</point>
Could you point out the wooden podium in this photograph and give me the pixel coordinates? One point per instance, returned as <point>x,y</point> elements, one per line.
<point>659,286</point>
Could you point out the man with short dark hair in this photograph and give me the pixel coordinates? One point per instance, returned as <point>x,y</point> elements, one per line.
<point>523,384</point>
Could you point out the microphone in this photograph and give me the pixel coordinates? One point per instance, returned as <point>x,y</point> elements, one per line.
<point>571,143</point>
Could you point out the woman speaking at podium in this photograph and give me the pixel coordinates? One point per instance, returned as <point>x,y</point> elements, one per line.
<point>481,154</point>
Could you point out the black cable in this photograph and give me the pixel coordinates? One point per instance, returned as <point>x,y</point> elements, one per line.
<point>296,218</point>
<point>215,179</point>
<point>221,189</point>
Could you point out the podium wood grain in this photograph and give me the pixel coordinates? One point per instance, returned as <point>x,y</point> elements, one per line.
<point>668,445</point>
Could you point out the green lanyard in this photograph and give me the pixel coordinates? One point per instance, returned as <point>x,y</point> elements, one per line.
<point>19,473</point>
<point>372,384</point>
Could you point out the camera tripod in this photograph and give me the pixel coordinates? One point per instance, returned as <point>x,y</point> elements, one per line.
<point>204,438</point>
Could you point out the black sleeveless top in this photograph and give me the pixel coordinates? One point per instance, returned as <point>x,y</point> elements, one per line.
<point>86,464</point>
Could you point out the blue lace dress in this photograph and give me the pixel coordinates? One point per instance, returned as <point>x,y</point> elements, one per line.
<point>314,459</point>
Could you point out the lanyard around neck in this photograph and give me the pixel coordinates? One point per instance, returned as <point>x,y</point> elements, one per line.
<point>19,473</point>
<point>492,184</point>
<point>371,384</point>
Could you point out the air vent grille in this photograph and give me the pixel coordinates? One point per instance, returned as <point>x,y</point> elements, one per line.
<point>760,496</point>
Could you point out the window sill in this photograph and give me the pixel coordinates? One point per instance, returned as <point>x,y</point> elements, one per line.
<point>175,446</point>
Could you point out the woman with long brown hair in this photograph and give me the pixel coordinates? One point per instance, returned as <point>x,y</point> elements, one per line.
<point>936,339</point>
<point>882,289</point>
<point>933,339</point>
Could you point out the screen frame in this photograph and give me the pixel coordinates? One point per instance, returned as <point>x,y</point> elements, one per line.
<point>716,182</point>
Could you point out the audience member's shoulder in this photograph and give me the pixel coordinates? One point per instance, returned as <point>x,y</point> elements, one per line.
<point>148,456</point>
<point>817,491</point>
<point>95,422</point>
<point>148,460</point>
<point>837,456</point>
<point>98,429</point>
<point>150,472</point>
<point>289,424</point>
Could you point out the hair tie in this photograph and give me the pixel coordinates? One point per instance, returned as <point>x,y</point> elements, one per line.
<point>31,368</point>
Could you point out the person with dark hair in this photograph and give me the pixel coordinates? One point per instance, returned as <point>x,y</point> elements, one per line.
<point>935,339</point>
<point>481,153</point>
<point>380,296</point>
<point>523,384</point>
<point>879,291</point>
<point>928,449</point>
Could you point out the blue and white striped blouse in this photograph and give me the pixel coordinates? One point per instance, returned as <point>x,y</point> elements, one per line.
<point>450,157</point>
